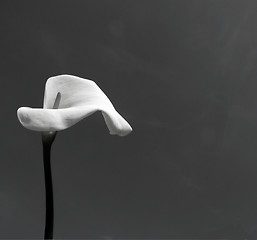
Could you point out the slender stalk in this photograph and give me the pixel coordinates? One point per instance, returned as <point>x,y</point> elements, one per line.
<point>47,140</point>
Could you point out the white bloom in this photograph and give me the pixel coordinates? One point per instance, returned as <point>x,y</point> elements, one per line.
<point>68,99</point>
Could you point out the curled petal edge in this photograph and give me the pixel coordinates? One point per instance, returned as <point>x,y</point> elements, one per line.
<point>38,119</point>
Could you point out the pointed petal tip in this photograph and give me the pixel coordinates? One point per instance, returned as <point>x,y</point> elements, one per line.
<point>123,131</point>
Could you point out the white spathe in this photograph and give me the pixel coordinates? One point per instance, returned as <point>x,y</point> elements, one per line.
<point>68,99</point>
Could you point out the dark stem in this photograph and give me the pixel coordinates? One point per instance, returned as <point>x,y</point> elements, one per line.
<point>47,140</point>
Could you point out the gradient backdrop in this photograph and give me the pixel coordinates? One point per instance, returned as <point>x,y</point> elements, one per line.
<point>182,72</point>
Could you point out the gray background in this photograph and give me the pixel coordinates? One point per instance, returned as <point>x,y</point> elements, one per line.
<point>183,73</point>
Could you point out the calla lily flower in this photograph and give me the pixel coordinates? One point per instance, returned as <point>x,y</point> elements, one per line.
<point>67,100</point>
